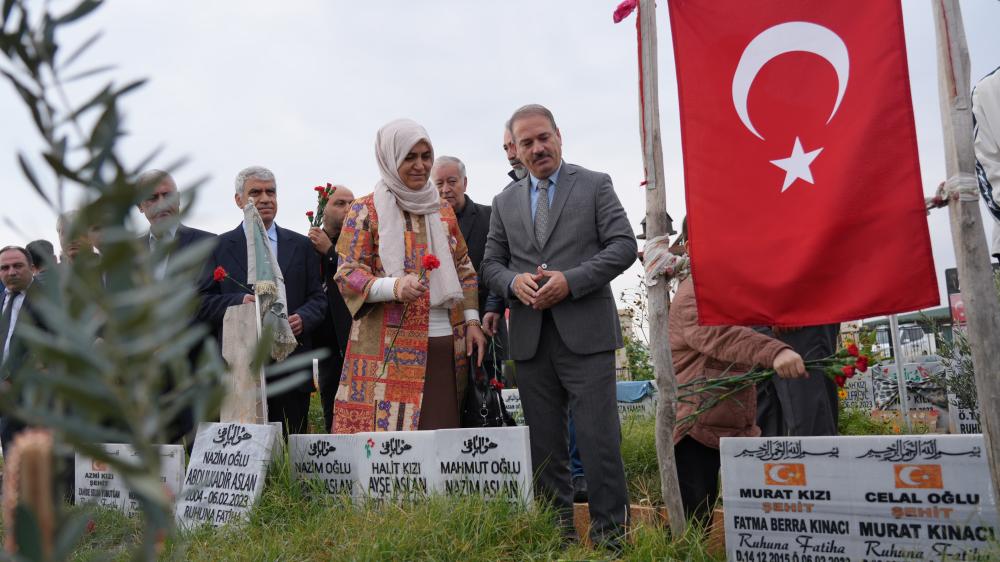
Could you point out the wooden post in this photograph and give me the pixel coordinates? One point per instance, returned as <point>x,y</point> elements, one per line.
<point>659,294</point>
<point>975,273</point>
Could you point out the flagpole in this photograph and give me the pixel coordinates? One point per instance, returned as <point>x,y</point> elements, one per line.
<point>975,271</point>
<point>897,355</point>
<point>659,294</point>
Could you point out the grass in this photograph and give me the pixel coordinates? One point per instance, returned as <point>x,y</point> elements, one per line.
<point>294,521</point>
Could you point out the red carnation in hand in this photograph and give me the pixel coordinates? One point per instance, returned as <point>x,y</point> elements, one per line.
<point>219,274</point>
<point>840,380</point>
<point>496,384</point>
<point>309,214</point>
<point>861,364</point>
<point>431,262</point>
<point>852,350</point>
<point>848,370</point>
<point>318,189</point>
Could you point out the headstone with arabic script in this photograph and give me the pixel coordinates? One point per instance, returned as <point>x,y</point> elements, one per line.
<point>490,462</point>
<point>331,459</point>
<point>397,464</point>
<point>857,498</point>
<point>226,474</point>
<point>512,401</point>
<point>97,483</point>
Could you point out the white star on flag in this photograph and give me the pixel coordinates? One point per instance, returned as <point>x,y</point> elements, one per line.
<point>797,165</point>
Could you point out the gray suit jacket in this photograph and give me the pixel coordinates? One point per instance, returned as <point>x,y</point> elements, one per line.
<point>590,240</point>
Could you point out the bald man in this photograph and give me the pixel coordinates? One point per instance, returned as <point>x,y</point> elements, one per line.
<point>337,325</point>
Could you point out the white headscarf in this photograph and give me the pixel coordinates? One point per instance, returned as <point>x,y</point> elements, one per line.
<point>392,143</point>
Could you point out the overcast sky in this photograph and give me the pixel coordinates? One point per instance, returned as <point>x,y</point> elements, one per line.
<point>301,87</point>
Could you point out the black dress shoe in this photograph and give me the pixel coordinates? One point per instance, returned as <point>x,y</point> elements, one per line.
<point>580,490</point>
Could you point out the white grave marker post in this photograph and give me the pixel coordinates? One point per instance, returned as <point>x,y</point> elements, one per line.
<point>226,474</point>
<point>489,462</point>
<point>397,464</point>
<point>332,459</point>
<point>97,483</point>
<point>512,401</point>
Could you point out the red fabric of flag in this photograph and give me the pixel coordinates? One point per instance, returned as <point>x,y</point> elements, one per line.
<point>803,186</point>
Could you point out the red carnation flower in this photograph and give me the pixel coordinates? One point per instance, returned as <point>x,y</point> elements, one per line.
<point>861,364</point>
<point>318,189</point>
<point>852,350</point>
<point>219,274</point>
<point>495,383</point>
<point>431,262</point>
<point>309,214</point>
<point>840,380</point>
<point>848,370</point>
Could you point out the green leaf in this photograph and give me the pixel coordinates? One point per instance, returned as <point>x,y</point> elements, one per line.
<point>88,73</point>
<point>29,173</point>
<point>27,534</point>
<point>80,50</point>
<point>81,9</point>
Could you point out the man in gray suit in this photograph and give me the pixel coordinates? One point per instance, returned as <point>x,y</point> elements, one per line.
<point>557,239</point>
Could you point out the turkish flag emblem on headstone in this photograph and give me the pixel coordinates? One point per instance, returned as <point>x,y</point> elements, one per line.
<point>803,186</point>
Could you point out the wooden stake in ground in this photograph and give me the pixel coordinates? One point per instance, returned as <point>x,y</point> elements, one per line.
<point>975,273</point>
<point>659,294</point>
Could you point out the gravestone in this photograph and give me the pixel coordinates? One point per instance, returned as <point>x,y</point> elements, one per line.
<point>962,420</point>
<point>97,483</point>
<point>636,398</point>
<point>512,401</point>
<point>487,462</point>
<point>857,498</point>
<point>332,459</point>
<point>397,464</point>
<point>860,393</point>
<point>225,476</point>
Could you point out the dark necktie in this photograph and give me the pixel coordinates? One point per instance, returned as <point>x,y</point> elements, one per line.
<point>5,321</point>
<point>542,211</point>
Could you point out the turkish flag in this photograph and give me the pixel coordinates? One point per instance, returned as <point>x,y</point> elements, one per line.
<point>800,159</point>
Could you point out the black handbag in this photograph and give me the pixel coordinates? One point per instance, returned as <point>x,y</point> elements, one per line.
<point>483,405</point>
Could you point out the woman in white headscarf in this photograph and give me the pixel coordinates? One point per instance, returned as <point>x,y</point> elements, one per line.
<point>418,380</point>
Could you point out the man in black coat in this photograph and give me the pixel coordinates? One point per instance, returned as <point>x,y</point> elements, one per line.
<point>166,234</point>
<point>15,310</point>
<point>448,174</point>
<point>336,325</point>
<point>300,267</point>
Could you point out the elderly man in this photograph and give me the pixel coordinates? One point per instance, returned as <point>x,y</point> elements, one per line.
<point>448,175</point>
<point>557,239</point>
<point>16,276</point>
<point>336,327</point>
<point>162,210</point>
<point>300,267</point>
<point>74,240</point>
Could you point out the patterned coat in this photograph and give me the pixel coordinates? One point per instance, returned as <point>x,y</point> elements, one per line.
<point>369,399</point>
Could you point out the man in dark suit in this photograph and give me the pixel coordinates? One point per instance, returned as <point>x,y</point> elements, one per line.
<point>336,327</point>
<point>16,276</point>
<point>557,239</point>
<point>448,175</point>
<point>167,235</point>
<point>162,210</point>
<point>300,267</point>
